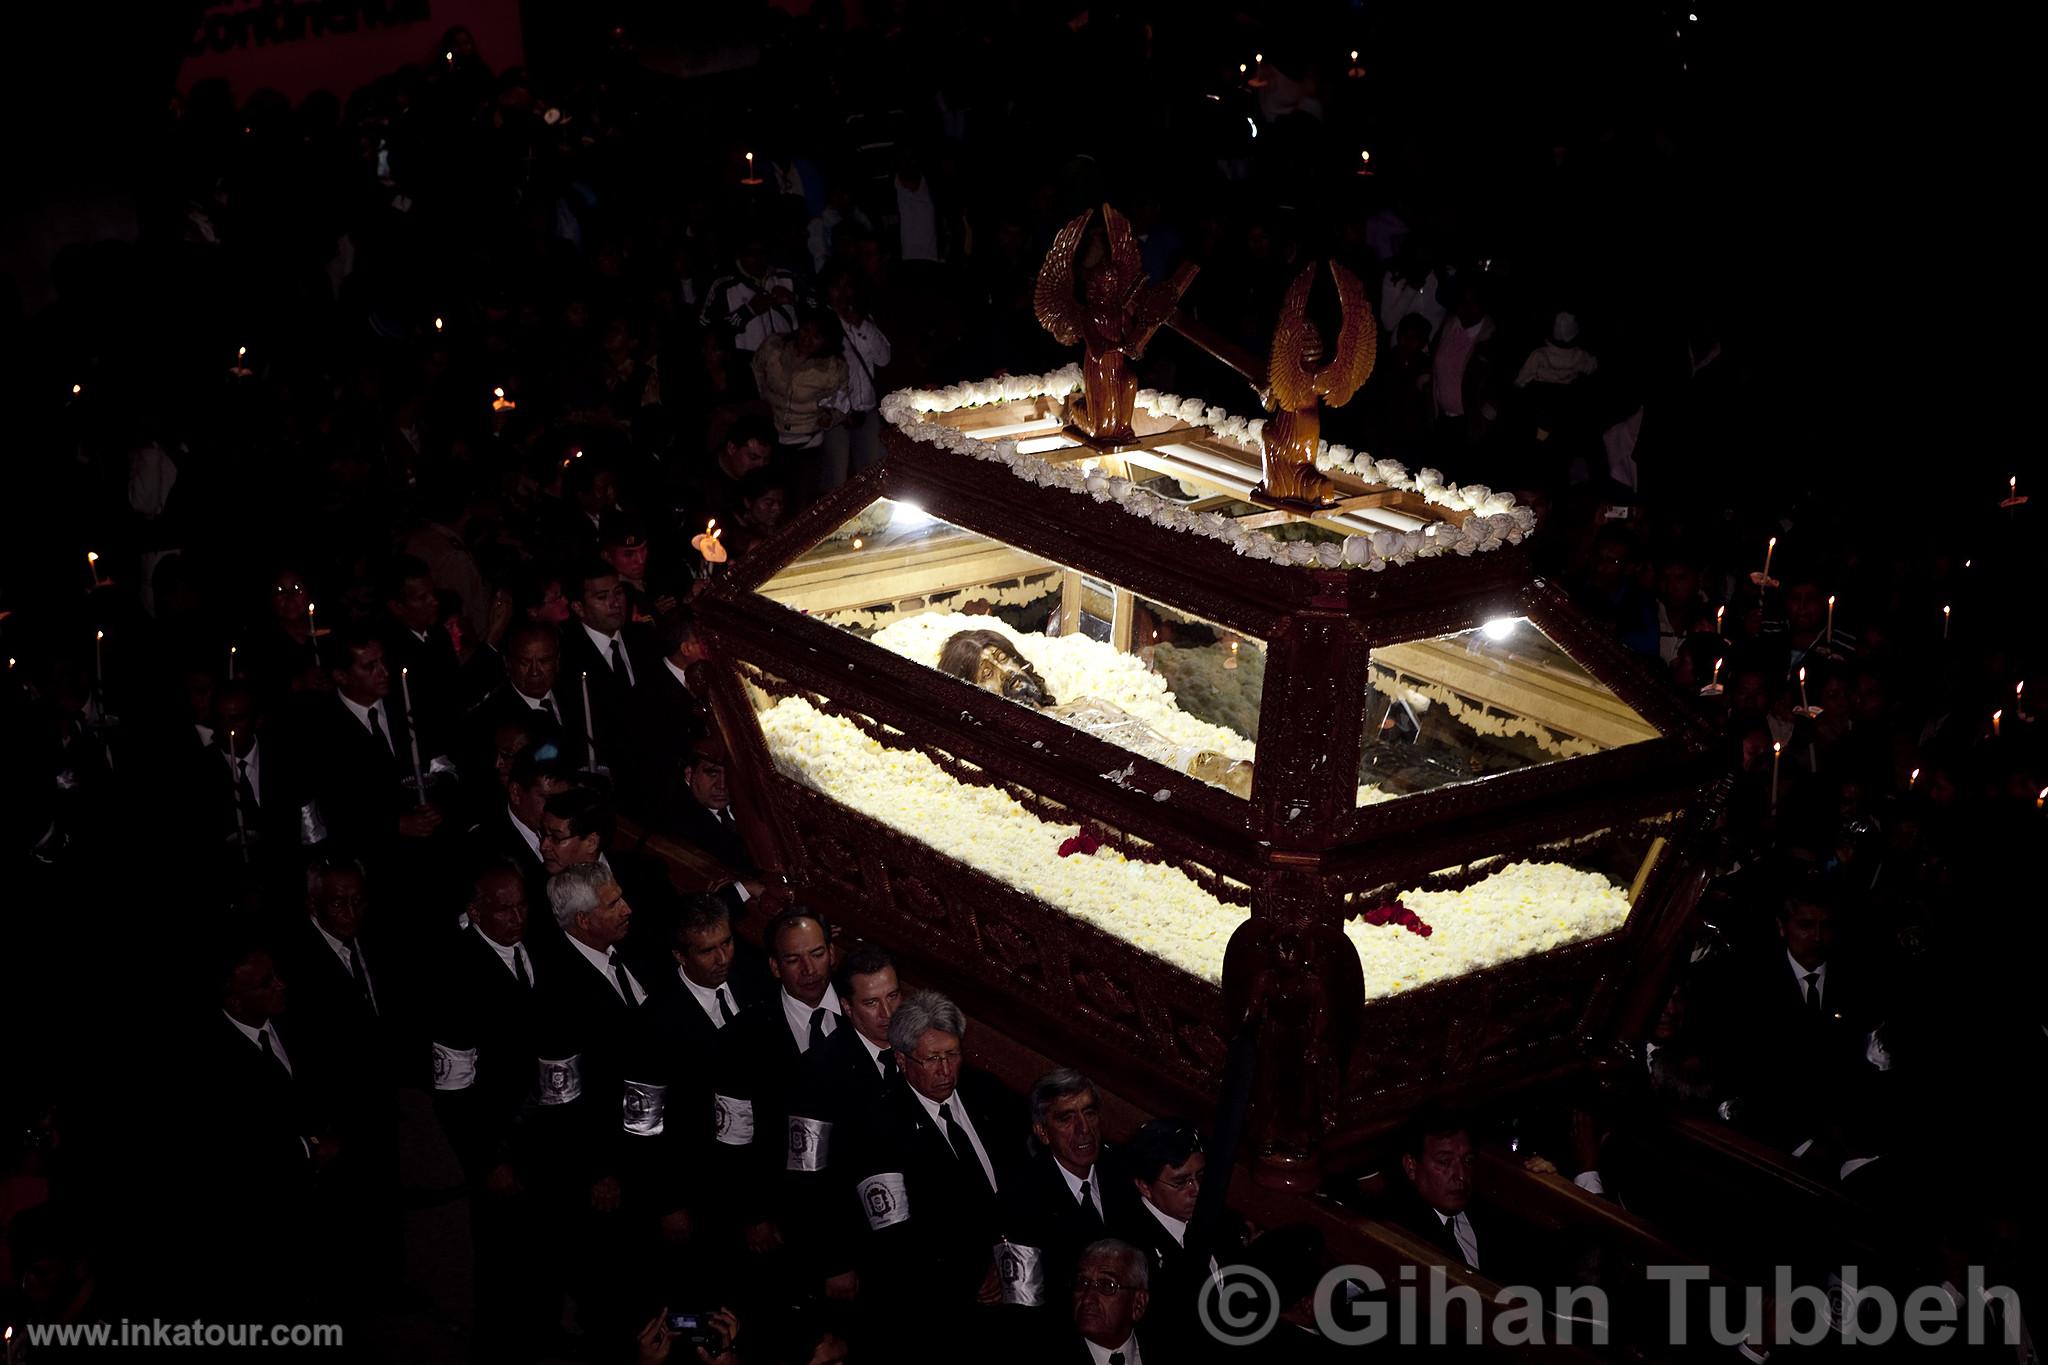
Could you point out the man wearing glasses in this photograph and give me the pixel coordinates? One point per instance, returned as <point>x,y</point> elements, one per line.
<point>934,1159</point>
<point>1112,1288</point>
<point>1166,1164</point>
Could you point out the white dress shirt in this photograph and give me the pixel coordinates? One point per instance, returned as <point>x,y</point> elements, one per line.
<point>346,953</point>
<point>256,1035</point>
<point>959,1110</point>
<point>604,962</point>
<point>707,998</point>
<point>798,1015</point>
<point>1100,1354</point>
<point>253,761</point>
<point>1468,1239</point>
<point>867,350</point>
<point>546,705</point>
<point>1074,1186</point>
<point>1799,975</point>
<point>1176,1227</point>
<point>531,839</point>
<point>506,955</point>
<point>604,649</point>
<point>362,715</point>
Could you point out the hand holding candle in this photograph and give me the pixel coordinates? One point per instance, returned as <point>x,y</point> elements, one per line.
<point>1713,687</point>
<point>412,736</point>
<point>1806,710</point>
<point>499,402</point>
<point>711,546</point>
<point>1764,579</point>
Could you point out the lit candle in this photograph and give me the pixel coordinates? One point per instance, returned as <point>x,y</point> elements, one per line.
<point>77,389</point>
<point>1777,752</point>
<point>1770,547</point>
<point>1831,618</point>
<point>1996,716</point>
<point>1719,613</point>
<point>1802,689</point>
<point>440,325</point>
<point>312,634</point>
<point>1944,621</point>
<point>1258,59</point>
<point>1713,687</point>
<point>1242,68</point>
<point>1364,162</point>
<point>231,663</point>
<point>2042,799</point>
<point>1912,779</point>
<point>2012,493</point>
<point>1231,662</point>
<point>99,662</point>
<point>412,735</point>
<point>500,403</point>
<point>92,566</point>
<point>589,734</point>
<point>2019,699</point>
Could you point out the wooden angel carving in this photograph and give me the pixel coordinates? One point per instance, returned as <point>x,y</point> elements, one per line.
<point>1296,392</point>
<point>1113,318</point>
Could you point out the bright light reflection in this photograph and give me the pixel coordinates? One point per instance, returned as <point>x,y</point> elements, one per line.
<point>1499,628</point>
<point>908,516</point>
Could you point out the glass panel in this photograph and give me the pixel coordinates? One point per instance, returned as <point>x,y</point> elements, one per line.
<point>1480,702</point>
<point>1152,679</point>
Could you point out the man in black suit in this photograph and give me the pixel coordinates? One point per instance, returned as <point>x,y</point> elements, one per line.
<point>602,646</point>
<point>1435,1200</point>
<point>532,691</point>
<point>1062,1203</point>
<point>670,713</point>
<point>767,1046</point>
<point>837,1084</point>
<point>415,644</point>
<point>264,1137</point>
<point>357,752</point>
<point>703,816</point>
<point>594,1090</point>
<point>1800,1026</point>
<point>486,1056</point>
<point>691,1028</point>
<point>1166,1165</point>
<point>350,1002</point>
<point>232,781</point>
<point>930,1165</point>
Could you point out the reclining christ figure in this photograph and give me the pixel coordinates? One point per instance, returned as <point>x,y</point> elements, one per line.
<point>989,661</point>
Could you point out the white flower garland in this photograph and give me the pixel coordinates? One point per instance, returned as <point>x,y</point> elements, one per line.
<point>1523,908</point>
<point>1498,520</point>
<point>1480,720</point>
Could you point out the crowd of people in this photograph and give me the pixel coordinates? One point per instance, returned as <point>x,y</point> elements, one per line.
<point>350,613</point>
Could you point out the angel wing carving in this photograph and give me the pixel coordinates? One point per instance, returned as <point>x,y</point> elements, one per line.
<point>1053,300</point>
<point>1126,265</point>
<point>1293,387</point>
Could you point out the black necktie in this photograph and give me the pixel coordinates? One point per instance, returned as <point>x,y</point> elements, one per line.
<point>724,1008</point>
<point>1813,994</point>
<point>963,1150</point>
<point>519,966</point>
<point>377,733</point>
<point>625,982</point>
<point>553,714</point>
<point>882,1062</point>
<point>361,976</point>
<point>619,661</point>
<point>1116,1358</point>
<point>1088,1209</point>
<point>263,1037</point>
<point>817,1026</point>
<point>245,790</point>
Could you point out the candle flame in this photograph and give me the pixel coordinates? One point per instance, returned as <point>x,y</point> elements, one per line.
<point>1802,674</point>
<point>1945,611</point>
<point>1831,599</point>
<point>1364,155</point>
<point>1997,716</point>
<point>857,542</point>
<point>438,324</point>
<point>241,351</point>
<point>99,635</point>
<point>1258,59</point>
<point>1772,543</point>
<point>1913,777</point>
<point>77,389</point>
<point>1776,747</point>
<point>92,557</point>
<point>1354,54</point>
<point>497,393</point>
